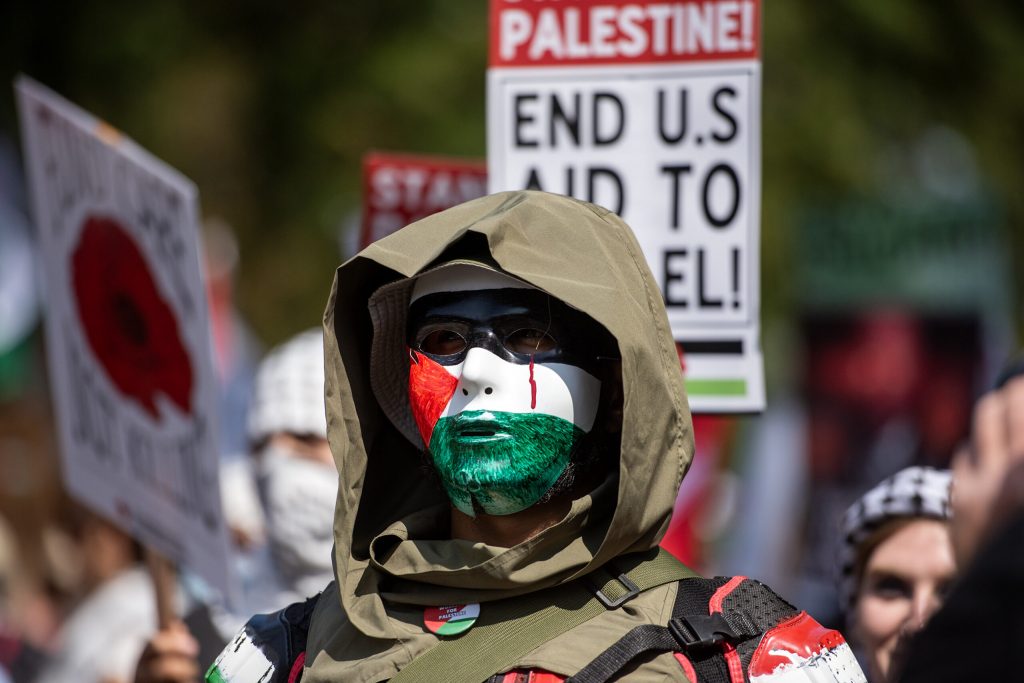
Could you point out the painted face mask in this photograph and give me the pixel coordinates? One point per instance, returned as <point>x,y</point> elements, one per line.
<point>502,385</point>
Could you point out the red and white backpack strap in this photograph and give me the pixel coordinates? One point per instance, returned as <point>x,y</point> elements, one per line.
<point>800,650</point>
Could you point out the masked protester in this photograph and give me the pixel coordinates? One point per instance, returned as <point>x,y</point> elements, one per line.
<point>510,426</point>
<point>897,563</point>
<point>294,469</point>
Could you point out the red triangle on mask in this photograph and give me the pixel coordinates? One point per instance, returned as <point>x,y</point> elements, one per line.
<point>431,387</point>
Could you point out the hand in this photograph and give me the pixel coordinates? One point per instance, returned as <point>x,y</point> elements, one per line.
<point>988,475</point>
<point>170,657</point>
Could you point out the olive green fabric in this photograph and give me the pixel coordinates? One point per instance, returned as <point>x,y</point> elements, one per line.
<point>392,554</point>
<point>510,629</point>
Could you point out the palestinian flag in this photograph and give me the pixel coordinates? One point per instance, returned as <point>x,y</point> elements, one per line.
<point>500,433</point>
<point>242,661</point>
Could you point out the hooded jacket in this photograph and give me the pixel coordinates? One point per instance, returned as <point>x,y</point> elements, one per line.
<point>393,556</point>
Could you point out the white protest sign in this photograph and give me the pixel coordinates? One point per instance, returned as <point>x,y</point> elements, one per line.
<point>651,109</point>
<point>126,331</point>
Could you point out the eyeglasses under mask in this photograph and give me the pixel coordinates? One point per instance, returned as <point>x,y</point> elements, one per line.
<point>518,325</point>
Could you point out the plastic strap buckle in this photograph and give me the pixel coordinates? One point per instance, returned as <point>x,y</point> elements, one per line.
<point>632,590</point>
<point>701,631</point>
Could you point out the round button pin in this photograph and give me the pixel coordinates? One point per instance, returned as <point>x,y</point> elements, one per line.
<point>451,620</point>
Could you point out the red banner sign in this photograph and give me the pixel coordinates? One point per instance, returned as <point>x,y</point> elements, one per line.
<point>576,32</point>
<point>400,189</point>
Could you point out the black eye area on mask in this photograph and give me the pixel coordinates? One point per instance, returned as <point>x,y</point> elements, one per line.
<point>518,325</point>
<point>442,343</point>
<point>451,341</point>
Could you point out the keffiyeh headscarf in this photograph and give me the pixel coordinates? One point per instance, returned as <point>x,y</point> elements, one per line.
<point>288,395</point>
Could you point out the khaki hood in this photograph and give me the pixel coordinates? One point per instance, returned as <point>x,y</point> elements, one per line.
<point>391,519</point>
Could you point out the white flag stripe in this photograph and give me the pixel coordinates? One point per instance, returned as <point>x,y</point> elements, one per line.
<point>563,390</point>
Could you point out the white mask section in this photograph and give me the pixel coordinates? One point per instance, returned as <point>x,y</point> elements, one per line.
<point>298,497</point>
<point>489,383</point>
<point>463,277</point>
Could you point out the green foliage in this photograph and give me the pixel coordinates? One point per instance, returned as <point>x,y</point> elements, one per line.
<point>851,86</point>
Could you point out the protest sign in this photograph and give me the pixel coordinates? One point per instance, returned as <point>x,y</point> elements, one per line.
<point>651,109</point>
<point>401,188</point>
<point>126,331</point>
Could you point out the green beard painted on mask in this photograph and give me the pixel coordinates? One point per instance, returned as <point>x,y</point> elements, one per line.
<point>505,462</point>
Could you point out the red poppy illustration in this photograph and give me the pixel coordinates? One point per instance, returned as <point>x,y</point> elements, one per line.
<point>130,327</point>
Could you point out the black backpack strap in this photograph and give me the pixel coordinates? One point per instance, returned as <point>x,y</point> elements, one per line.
<point>692,596</point>
<point>753,601</point>
<point>695,631</point>
<point>640,640</point>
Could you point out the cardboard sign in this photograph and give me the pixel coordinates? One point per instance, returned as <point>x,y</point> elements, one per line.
<point>651,109</point>
<point>400,189</point>
<point>126,331</point>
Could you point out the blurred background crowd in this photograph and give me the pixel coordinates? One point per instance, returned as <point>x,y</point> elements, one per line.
<point>891,225</point>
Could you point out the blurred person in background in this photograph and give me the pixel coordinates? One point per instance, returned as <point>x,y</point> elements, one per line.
<point>283,538</point>
<point>977,634</point>
<point>20,661</point>
<point>294,471</point>
<point>102,637</point>
<point>235,348</point>
<point>897,562</point>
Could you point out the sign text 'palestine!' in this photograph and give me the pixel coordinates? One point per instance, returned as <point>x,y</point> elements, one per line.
<point>653,111</point>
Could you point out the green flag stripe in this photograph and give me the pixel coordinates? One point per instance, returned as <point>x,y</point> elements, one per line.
<point>455,626</point>
<point>716,387</point>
